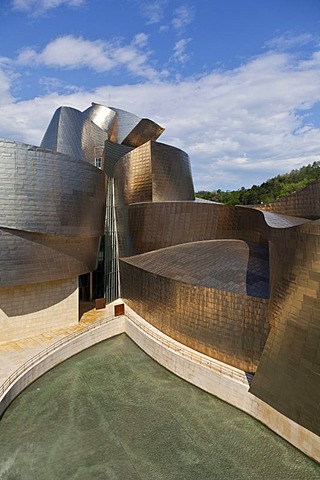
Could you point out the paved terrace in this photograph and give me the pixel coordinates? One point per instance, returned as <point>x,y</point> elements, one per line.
<point>16,353</point>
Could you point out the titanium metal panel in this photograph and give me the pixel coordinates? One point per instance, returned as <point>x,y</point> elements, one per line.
<point>210,295</point>
<point>48,192</point>
<point>73,133</point>
<point>32,258</point>
<point>112,153</point>
<point>153,172</point>
<point>171,174</point>
<point>64,133</point>
<point>92,139</point>
<point>288,374</point>
<point>197,294</point>
<point>303,203</point>
<point>52,214</point>
<point>145,131</point>
<point>229,265</point>
<point>103,117</point>
<point>162,224</point>
<point>126,122</point>
<point>133,176</point>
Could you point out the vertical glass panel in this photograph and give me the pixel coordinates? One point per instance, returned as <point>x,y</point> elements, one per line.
<point>112,286</point>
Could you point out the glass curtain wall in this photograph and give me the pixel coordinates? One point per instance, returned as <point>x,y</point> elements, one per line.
<point>112,276</point>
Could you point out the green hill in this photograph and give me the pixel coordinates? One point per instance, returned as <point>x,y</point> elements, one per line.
<point>269,191</point>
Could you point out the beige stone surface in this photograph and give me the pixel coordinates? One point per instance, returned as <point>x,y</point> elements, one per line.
<point>31,309</point>
<point>15,353</point>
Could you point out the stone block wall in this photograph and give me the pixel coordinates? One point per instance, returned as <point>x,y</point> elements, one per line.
<point>31,309</point>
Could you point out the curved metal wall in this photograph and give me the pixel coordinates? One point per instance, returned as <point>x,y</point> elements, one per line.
<point>162,224</point>
<point>103,117</point>
<point>125,124</point>
<point>288,374</point>
<point>217,307</point>
<point>303,203</point>
<point>144,131</point>
<point>52,214</point>
<point>64,132</point>
<point>171,174</point>
<point>73,133</point>
<point>153,172</point>
<point>133,176</point>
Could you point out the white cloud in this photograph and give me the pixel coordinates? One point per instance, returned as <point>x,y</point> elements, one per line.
<point>53,84</point>
<point>70,52</point>
<point>41,6</point>
<point>183,16</point>
<point>239,126</point>
<point>7,77</point>
<point>141,40</point>
<point>288,41</point>
<point>179,50</point>
<point>153,11</point>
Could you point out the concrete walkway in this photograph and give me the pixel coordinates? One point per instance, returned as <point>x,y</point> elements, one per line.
<point>16,353</point>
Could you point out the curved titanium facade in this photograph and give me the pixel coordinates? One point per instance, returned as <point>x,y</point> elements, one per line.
<point>52,214</point>
<point>153,172</point>
<point>240,284</point>
<point>218,308</point>
<point>288,373</point>
<point>157,217</point>
<point>73,133</point>
<point>303,203</point>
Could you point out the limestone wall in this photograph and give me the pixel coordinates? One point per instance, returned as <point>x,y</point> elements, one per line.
<point>31,309</point>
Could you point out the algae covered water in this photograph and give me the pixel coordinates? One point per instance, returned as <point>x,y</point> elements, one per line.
<point>111,412</point>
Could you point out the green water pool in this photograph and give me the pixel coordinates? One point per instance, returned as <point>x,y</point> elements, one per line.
<point>111,412</point>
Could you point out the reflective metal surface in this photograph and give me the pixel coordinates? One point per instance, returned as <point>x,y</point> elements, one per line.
<point>112,153</point>
<point>52,214</point>
<point>303,203</point>
<point>104,117</point>
<point>271,326</point>
<point>73,133</point>
<point>78,134</point>
<point>144,131</point>
<point>288,376</point>
<point>240,284</point>
<point>211,296</point>
<point>126,122</point>
<point>153,172</point>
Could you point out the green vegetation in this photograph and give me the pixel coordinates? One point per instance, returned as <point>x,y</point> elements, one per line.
<point>269,191</point>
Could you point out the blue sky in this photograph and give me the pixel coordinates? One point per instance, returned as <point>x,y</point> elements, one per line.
<point>236,83</point>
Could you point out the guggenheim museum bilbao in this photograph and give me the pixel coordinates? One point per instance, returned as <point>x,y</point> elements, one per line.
<point>103,210</point>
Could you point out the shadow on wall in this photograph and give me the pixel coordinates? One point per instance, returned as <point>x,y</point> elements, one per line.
<point>25,299</point>
<point>257,277</point>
